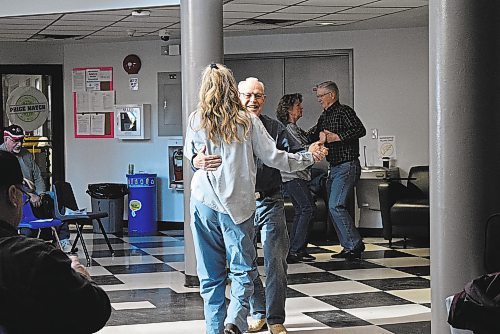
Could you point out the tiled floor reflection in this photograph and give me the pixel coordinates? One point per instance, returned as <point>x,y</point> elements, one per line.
<point>388,291</point>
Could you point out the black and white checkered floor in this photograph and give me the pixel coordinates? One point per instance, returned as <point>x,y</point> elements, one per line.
<point>388,291</point>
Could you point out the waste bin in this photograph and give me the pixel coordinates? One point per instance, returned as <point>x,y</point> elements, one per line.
<point>142,216</point>
<point>108,197</point>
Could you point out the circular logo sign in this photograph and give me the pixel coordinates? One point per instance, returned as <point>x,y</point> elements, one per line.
<point>28,108</point>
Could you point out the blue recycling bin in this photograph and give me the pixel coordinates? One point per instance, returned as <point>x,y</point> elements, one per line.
<point>142,213</point>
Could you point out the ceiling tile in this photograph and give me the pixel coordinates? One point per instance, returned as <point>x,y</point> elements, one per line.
<point>287,16</point>
<point>372,10</point>
<point>114,29</point>
<point>174,12</point>
<point>255,26</point>
<point>399,3</point>
<point>156,19</point>
<point>94,17</point>
<point>312,9</point>
<point>119,12</point>
<point>71,23</point>
<point>140,24</point>
<point>269,2</point>
<point>18,27</point>
<point>25,20</point>
<point>239,15</point>
<point>316,23</point>
<point>231,21</point>
<point>253,8</point>
<point>347,3</point>
<point>71,28</point>
<point>348,17</point>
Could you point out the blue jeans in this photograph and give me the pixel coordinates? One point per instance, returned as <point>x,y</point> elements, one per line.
<point>341,181</point>
<point>304,207</point>
<point>217,241</point>
<point>270,220</point>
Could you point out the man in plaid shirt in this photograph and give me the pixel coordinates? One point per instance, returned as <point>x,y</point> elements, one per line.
<point>340,129</point>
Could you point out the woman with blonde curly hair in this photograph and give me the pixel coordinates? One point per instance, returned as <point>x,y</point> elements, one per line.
<point>223,195</point>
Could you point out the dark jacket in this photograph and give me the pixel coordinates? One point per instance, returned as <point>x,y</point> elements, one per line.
<point>41,293</point>
<point>477,307</point>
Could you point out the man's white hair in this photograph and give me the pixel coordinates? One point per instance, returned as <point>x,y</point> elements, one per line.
<point>250,81</point>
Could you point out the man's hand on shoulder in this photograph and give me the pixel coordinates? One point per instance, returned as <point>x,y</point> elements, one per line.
<point>206,162</point>
<point>328,137</point>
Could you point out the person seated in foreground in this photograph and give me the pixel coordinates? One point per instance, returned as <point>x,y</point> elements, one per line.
<point>42,290</point>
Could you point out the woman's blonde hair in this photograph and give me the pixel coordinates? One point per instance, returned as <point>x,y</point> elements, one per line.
<point>219,106</point>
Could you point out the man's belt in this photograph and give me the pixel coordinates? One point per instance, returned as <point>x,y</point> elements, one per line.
<point>262,194</point>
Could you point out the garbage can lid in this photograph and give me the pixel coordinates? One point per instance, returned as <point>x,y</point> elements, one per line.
<point>107,190</point>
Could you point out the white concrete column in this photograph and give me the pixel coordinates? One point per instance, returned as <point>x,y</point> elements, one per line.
<point>201,44</point>
<point>464,142</point>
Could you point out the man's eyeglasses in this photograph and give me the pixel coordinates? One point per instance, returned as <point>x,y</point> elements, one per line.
<point>320,96</point>
<point>249,96</point>
<point>20,140</point>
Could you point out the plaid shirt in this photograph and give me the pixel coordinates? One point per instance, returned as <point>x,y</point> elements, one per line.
<point>342,120</point>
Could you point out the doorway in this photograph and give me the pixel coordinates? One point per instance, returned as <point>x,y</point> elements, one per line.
<point>297,72</point>
<point>44,129</point>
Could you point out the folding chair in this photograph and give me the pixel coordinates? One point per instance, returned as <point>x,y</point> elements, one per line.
<point>29,220</point>
<point>65,198</point>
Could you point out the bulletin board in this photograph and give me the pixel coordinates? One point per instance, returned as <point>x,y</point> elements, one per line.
<point>93,101</point>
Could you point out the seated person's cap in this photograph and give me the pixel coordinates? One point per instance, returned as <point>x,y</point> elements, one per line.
<point>14,131</point>
<point>11,171</point>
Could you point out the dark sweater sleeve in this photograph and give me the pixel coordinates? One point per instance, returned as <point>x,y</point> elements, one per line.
<point>86,307</point>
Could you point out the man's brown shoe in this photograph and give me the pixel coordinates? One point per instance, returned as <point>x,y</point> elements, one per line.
<point>277,329</point>
<point>256,325</point>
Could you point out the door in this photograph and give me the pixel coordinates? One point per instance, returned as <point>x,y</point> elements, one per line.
<point>40,87</point>
<point>293,72</point>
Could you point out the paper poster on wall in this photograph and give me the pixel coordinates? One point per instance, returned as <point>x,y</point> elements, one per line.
<point>387,146</point>
<point>93,100</point>
<point>134,83</point>
<point>97,124</point>
<point>83,124</point>
<point>78,81</point>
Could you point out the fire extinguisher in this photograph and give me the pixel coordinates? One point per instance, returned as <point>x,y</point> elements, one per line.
<point>177,161</point>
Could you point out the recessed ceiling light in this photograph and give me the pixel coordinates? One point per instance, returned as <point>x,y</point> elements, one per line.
<point>140,12</point>
<point>325,23</point>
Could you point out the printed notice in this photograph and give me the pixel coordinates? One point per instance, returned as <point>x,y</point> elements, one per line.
<point>387,146</point>
<point>83,124</point>
<point>97,124</point>
<point>78,80</point>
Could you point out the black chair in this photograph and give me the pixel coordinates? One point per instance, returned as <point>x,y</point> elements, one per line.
<point>405,209</point>
<point>64,198</point>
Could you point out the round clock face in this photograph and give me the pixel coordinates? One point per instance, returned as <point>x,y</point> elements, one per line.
<point>132,64</point>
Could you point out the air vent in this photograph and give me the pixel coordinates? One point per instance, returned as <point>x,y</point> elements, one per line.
<point>54,36</point>
<point>274,22</point>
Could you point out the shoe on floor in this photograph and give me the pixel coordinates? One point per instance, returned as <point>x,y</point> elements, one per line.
<point>277,329</point>
<point>299,257</point>
<point>306,256</point>
<point>354,254</point>
<point>256,325</point>
<point>231,329</point>
<point>66,245</point>
<point>341,255</point>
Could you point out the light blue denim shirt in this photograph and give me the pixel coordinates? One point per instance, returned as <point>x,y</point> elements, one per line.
<point>231,188</point>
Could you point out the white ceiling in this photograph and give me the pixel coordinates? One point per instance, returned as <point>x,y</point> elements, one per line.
<point>241,17</point>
